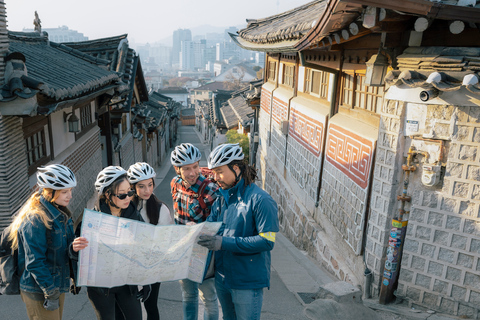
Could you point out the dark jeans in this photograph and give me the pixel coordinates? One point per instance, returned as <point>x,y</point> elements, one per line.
<point>151,305</point>
<point>104,305</point>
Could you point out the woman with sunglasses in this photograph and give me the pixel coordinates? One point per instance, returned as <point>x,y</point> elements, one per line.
<point>142,177</point>
<point>115,195</point>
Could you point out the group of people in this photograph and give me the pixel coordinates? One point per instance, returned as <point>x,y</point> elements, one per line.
<point>49,242</point>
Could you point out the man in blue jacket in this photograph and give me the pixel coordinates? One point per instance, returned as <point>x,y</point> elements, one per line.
<point>243,244</point>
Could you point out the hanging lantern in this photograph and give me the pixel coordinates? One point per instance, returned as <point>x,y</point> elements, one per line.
<point>376,70</point>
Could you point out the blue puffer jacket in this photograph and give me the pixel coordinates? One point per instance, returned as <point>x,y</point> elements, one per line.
<point>43,258</point>
<point>246,211</point>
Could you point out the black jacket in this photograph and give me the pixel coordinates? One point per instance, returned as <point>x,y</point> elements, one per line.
<point>129,213</point>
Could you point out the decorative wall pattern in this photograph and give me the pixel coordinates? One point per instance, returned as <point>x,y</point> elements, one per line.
<point>265,100</point>
<point>279,110</point>
<point>350,153</point>
<point>307,131</point>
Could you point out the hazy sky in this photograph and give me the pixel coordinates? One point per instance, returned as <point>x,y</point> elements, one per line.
<point>143,20</point>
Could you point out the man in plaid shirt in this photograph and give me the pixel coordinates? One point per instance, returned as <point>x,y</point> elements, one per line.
<point>193,196</point>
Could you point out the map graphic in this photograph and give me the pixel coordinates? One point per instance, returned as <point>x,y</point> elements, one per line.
<point>123,251</point>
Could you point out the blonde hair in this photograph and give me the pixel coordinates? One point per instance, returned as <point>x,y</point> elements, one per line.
<point>30,209</point>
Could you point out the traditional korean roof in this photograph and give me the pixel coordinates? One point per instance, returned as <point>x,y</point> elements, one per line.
<point>212,86</point>
<point>54,70</point>
<point>237,109</point>
<point>443,68</point>
<point>120,58</point>
<point>173,90</point>
<point>308,25</point>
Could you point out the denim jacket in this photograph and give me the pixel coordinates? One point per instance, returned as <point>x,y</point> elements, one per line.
<point>43,258</point>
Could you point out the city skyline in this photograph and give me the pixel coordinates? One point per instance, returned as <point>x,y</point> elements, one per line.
<point>144,22</point>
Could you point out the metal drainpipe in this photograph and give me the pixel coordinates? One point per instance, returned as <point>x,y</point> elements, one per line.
<point>397,237</point>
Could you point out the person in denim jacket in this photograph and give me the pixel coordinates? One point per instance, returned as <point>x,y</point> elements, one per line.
<point>43,233</point>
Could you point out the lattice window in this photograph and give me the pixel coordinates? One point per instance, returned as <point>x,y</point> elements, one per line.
<point>320,83</point>
<point>85,116</point>
<point>356,94</point>
<point>288,75</point>
<point>308,80</point>
<point>271,70</point>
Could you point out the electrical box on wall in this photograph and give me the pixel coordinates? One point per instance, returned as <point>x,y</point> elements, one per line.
<point>431,175</point>
<point>284,127</point>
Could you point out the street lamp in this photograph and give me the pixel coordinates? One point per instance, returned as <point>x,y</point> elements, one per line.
<point>73,121</point>
<point>376,69</point>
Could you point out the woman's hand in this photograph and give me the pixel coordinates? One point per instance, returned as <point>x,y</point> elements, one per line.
<point>79,244</point>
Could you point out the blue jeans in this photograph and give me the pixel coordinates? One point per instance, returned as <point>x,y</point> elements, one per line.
<point>239,304</point>
<point>190,299</point>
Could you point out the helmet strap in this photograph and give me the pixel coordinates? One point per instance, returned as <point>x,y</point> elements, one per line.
<point>237,177</point>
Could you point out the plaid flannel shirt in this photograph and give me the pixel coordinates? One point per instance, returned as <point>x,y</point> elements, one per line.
<point>185,200</point>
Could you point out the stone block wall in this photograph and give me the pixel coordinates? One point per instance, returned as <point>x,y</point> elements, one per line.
<point>343,202</point>
<point>387,175</point>
<point>441,261</point>
<point>14,189</point>
<point>86,163</point>
<point>137,152</point>
<point>127,156</point>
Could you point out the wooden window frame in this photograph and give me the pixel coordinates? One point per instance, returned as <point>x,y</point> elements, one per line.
<point>35,127</point>
<point>288,78</point>
<point>272,69</point>
<point>86,122</point>
<point>356,95</point>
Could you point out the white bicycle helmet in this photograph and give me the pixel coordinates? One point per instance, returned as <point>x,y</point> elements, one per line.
<point>56,177</point>
<point>184,154</point>
<point>140,171</point>
<point>107,176</point>
<point>224,154</point>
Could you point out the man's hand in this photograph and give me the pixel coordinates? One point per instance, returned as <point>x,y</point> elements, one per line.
<point>213,243</point>
<point>52,301</point>
<point>144,294</point>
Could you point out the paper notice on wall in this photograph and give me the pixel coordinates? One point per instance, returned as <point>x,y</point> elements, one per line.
<point>411,127</point>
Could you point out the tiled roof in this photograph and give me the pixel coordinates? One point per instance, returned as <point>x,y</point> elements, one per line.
<point>121,58</point>
<point>229,116</point>
<point>188,112</point>
<point>443,68</point>
<point>307,25</point>
<point>212,86</point>
<point>63,73</point>
<point>176,90</point>
<point>237,109</point>
<point>290,25</point>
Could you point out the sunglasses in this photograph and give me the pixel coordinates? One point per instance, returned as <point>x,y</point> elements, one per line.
<point>124,195</point>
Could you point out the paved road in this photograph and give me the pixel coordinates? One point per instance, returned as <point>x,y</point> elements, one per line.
<point>279,302</point>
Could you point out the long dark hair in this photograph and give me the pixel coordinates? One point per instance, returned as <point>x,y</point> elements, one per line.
<point>112,189</point>
<point>248,173</point>
<point>153,205</point>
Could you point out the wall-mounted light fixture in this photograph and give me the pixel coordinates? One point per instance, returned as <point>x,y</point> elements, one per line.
<point>376,69</point>
<point>73,121</point>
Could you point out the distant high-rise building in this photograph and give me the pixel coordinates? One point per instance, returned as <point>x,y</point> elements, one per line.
<point>198,54</point>
<point>179,36</point>
<point>186,55</point>
<point>61,34</point>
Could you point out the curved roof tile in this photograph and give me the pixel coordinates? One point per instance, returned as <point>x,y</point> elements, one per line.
<point>64,74</point>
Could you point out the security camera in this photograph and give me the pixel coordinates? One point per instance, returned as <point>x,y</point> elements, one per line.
<point>429,94</point>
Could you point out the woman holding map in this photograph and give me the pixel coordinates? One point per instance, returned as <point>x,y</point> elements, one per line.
<point>115,195</point>
<point>43,233</point>
<point>142,177</point>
